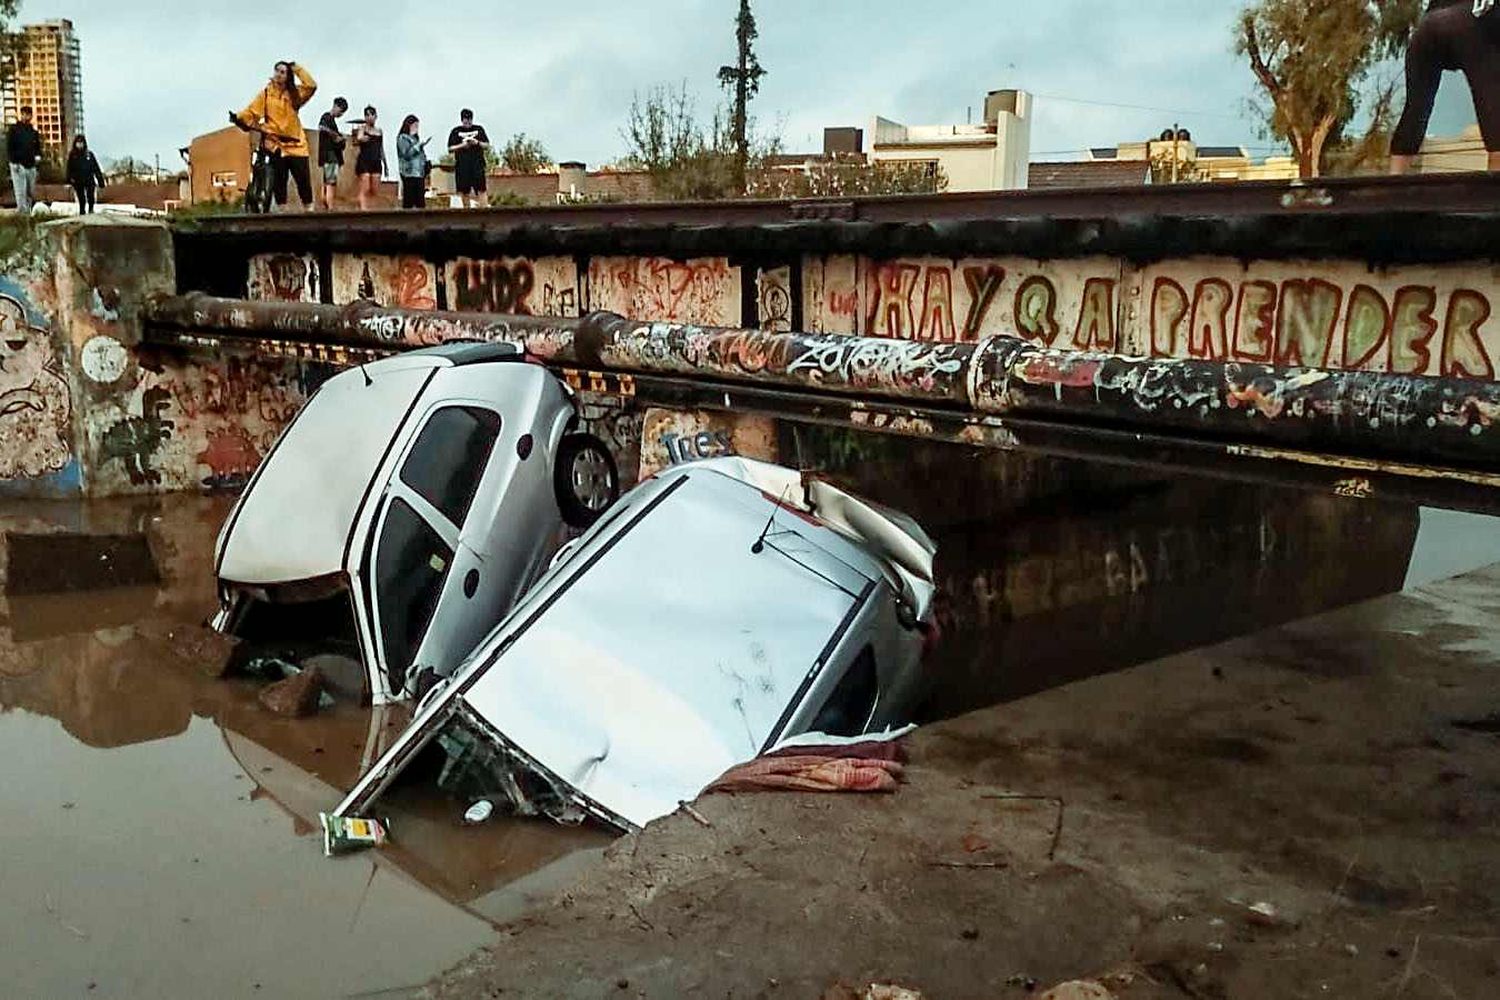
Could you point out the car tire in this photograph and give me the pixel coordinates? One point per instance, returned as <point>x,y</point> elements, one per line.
<point>585,478</point>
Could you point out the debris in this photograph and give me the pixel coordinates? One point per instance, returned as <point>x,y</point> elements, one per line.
<point>479,812</point>
<point>874,991</point>
<point>1079,989</point>
<point>1027,983</point>
<point>973,843</point>
<point>969,934</point>
<point>1266,915</point>
<point>968,864</point>
<point>1054,799</point>
<point>698,817</point>
<point>1352,950</point>
<point>343,834</point>
<point>811,773</point>
<point>297,696</point>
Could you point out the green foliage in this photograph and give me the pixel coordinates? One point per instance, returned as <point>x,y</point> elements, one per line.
<point>845,177</point>
<point>687,160</point>
<point>508,199</point>
<point>187,216</point>
<point>1187,172</point>
<point>524,155</point>
<point>23,247</point>
<point>1313,59</point>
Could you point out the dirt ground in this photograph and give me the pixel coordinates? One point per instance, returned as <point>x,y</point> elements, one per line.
<point>1341,774</point>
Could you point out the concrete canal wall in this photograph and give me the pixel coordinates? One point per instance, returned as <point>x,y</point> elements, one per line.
<point>85,408</point>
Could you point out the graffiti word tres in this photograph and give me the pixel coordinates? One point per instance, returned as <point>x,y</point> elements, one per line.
<point>691,447</point>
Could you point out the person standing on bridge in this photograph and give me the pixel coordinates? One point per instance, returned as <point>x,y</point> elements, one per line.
<point>84,174</point>
<point>412,162</point>
<point>1462,35</point>
<point>369,162</point>
<point>24,147</point>
<point>273,113</point>
<point>469,144</point>
<point>331,149</point>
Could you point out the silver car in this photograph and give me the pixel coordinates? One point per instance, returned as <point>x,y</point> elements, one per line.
<point>406,509</point>
<point>719,609</point>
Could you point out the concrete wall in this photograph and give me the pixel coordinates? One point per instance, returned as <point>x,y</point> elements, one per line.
<point>85,409</point>
<point>1435,320</point>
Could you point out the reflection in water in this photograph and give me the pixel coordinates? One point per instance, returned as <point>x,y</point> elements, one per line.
<point>179,835</point>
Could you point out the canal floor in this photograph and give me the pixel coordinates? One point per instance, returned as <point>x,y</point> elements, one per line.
<point>161,827</point>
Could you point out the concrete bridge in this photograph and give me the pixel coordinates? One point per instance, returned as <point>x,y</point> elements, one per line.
<point>1339,337</point>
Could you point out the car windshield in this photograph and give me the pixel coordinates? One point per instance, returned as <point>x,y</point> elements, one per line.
<point>411,565</point>
<point>633,707</point>
<point>449,458</point>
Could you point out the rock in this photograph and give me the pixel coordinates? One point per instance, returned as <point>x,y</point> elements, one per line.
<point>1078,989</point>
<point>296,697</point>
<point>1267,915</point>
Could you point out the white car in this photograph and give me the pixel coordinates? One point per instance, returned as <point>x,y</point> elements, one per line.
<point>720,608</point>
<point>406,508</point>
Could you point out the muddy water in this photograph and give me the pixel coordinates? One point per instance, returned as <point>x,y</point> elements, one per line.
<point>160,827</point>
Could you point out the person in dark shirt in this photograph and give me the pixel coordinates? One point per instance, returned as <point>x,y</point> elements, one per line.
<point>1462,35</point>
<point>24,148</point>
<point>468,143</point>
<point>84,174</point>
<point>369,162</point>
<point>331,149</point>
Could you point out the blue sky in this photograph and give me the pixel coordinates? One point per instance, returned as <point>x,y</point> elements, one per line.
<point>157,72</point>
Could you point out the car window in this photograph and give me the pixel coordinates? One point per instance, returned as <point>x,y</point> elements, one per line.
<point>852,702</point>
<point>411,563</point>
<point>449,458</point>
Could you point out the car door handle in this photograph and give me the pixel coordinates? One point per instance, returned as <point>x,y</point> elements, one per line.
<point>471,583</point>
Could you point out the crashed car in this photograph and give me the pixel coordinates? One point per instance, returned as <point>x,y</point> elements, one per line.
<point>720,608</point>
<point>406,508</point>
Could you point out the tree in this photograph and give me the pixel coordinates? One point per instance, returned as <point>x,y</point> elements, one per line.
<point>1312,59</point>
<point>686,161</point>
<point>524,155</point>
<point>743,79</point>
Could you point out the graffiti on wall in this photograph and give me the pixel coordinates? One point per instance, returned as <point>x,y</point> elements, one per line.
<point>773,298</point>
<point>543,286</point>
<point>1432,321</point>
<point>134,441</point>
<point>284,277</point>
<point>404,282</point>
<point>1074,304</point>
<point>670,437</point>
<point>35,402</point>
<point>703,290</point>
<point>187,424</point>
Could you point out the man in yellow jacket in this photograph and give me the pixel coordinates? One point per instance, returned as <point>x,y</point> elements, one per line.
<point>273,113</point>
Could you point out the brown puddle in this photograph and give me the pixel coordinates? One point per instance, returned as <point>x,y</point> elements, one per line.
<point>161,827</point>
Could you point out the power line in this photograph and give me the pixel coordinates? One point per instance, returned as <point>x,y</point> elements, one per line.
<point>1142,107</point>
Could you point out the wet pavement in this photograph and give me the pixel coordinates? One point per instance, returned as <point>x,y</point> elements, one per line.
<point>162,827</point>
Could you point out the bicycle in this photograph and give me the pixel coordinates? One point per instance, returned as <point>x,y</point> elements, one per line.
<point>259,193</point>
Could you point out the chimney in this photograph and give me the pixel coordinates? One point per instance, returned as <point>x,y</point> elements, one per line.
<point>997,102</point>
<point>572,180</point>
<point>844,141</point>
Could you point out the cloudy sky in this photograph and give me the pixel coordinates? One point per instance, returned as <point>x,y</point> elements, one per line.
<point>158,72</point>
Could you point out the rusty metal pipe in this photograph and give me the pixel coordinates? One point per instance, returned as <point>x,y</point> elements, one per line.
<point>1417,419</point>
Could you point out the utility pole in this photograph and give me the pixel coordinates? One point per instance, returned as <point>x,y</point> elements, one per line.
<point>1176,131</point>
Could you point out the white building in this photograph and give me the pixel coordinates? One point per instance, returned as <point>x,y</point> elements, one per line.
<point>991,156</point>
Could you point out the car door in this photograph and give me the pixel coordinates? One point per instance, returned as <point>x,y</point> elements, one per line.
<point>424,577</point>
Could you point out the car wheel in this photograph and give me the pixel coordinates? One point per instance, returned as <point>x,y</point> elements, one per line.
<point>586,479</point>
